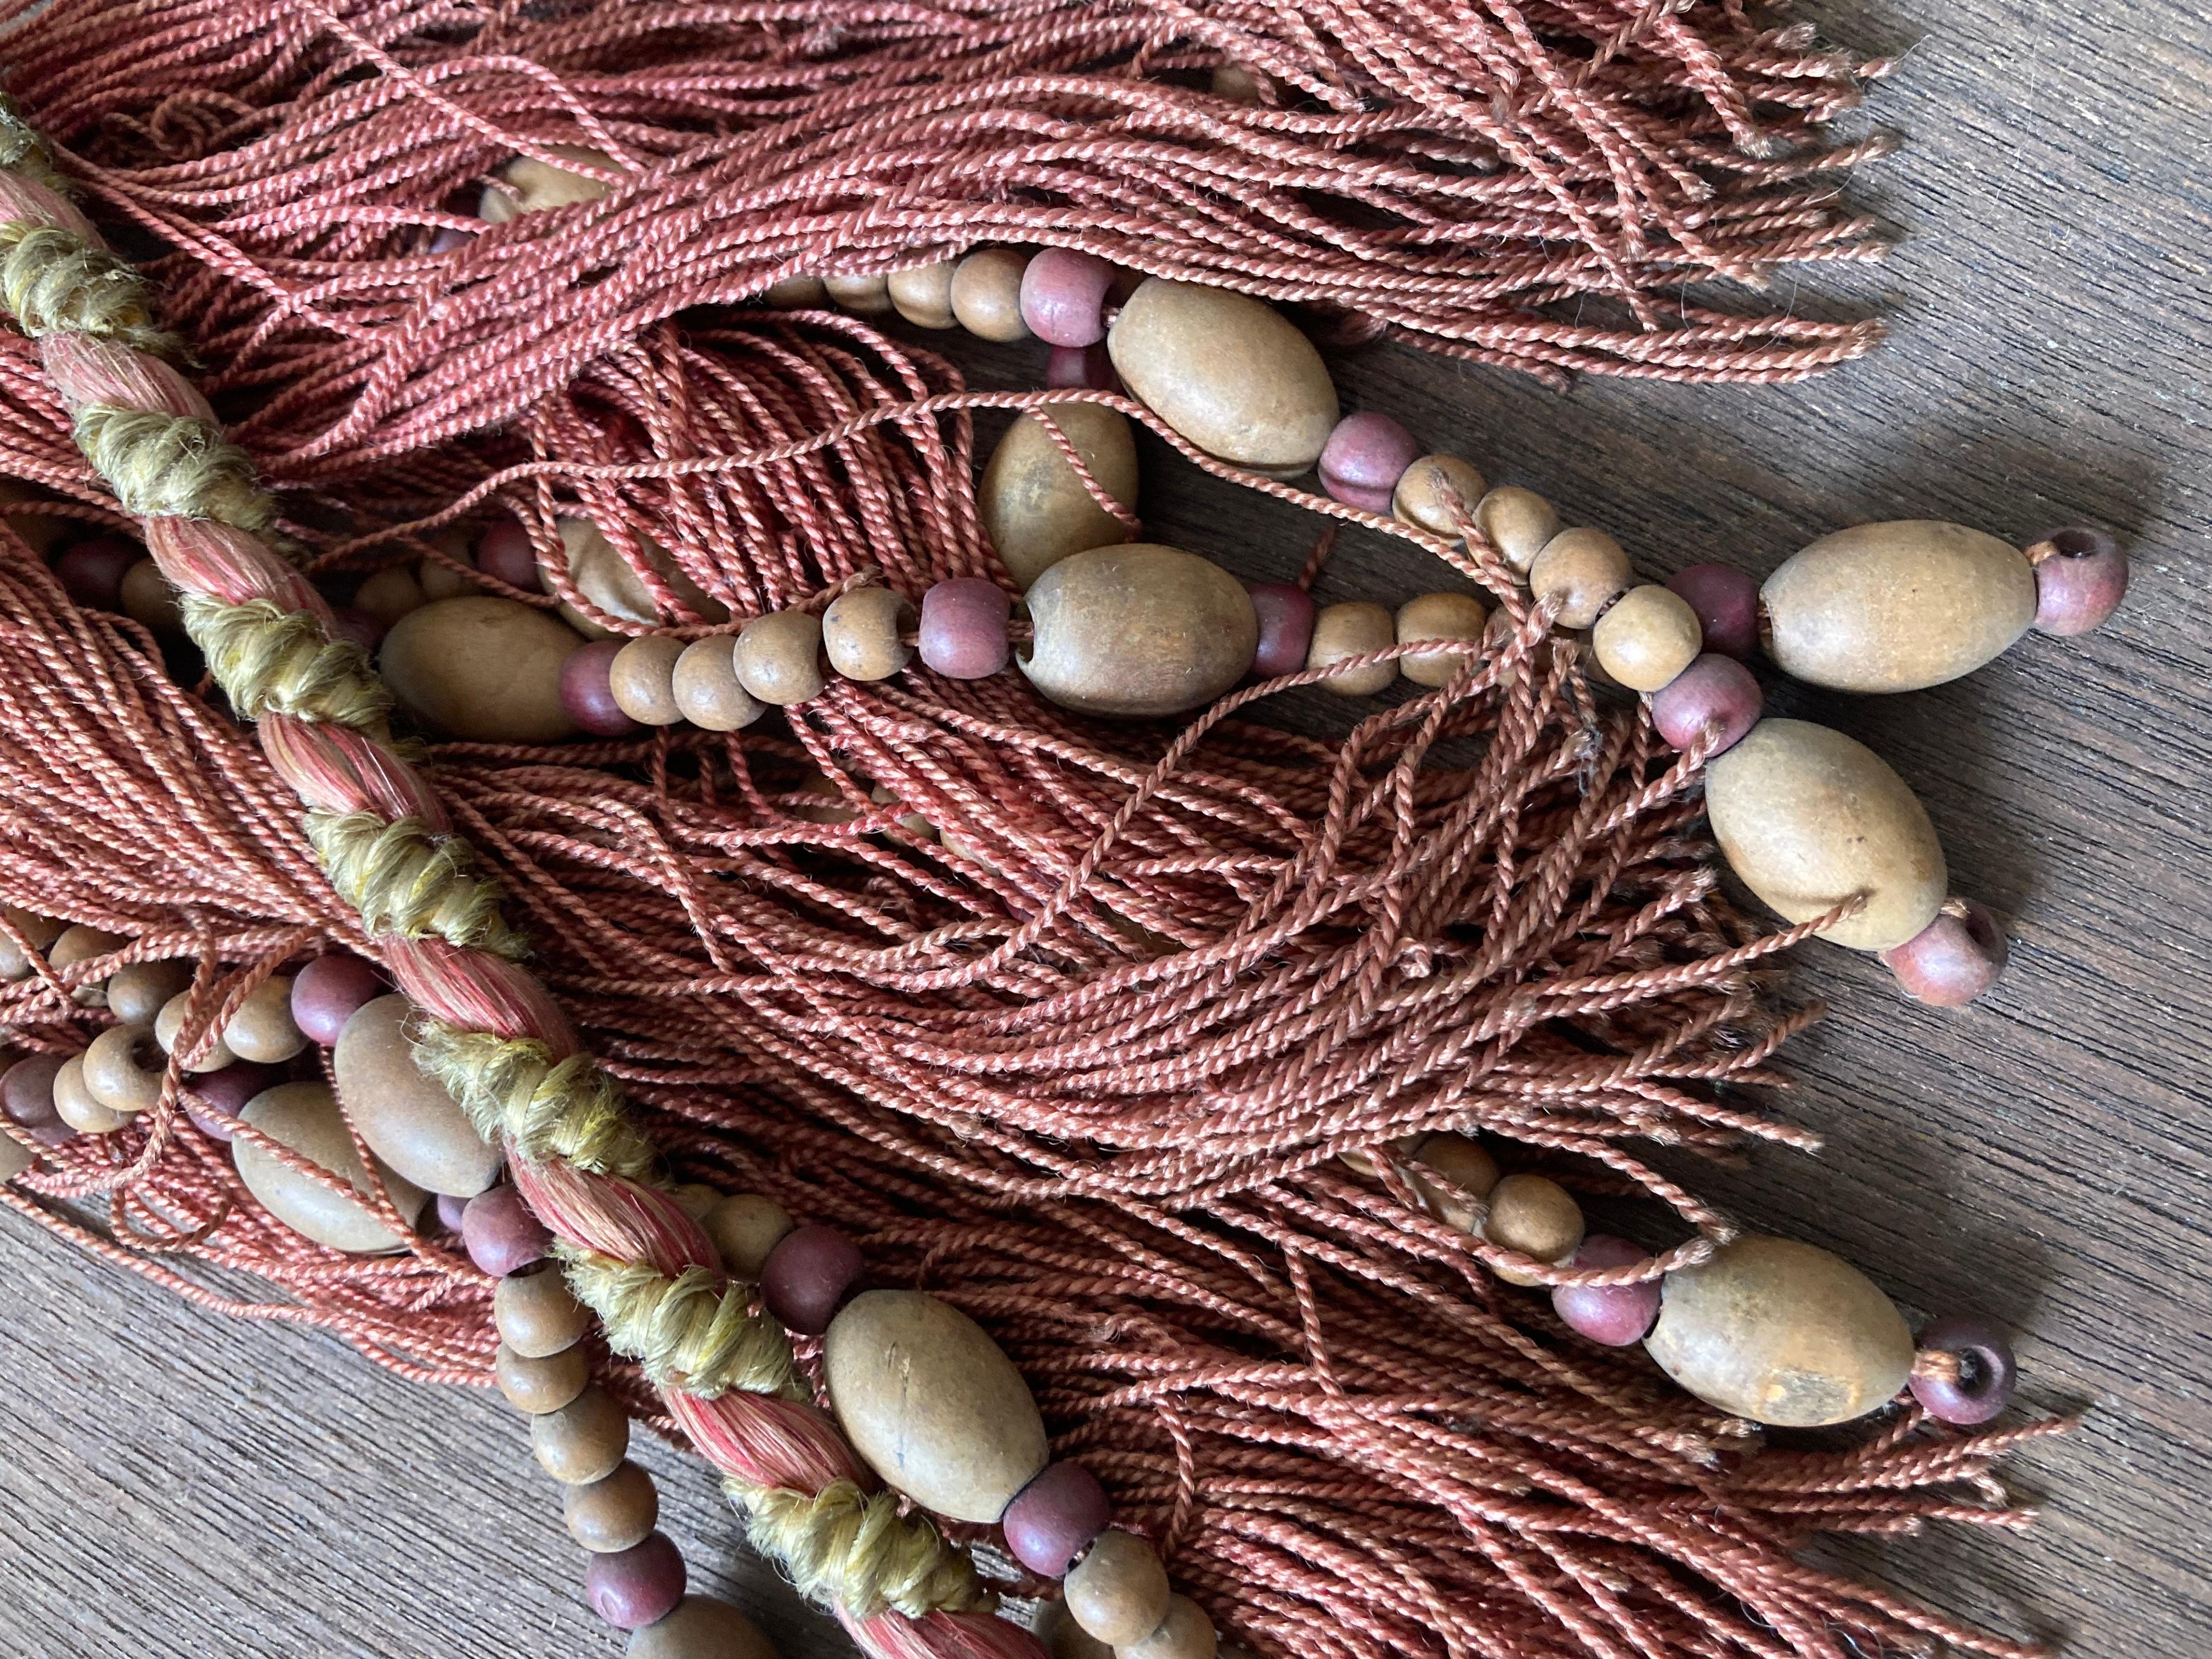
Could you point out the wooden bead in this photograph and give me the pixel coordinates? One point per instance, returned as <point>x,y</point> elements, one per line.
<point>1536,1216</point>
<point>540,1385</point>
<point>1581,569</point>
<point>707,688</point>
<point>964,627</point>
<point>149,598</point>
<point>604,576</point>
<point>123,1068</point>
<point>642,678</point>
<point>482,670</point>
<point>1228,372</point>
<point>1952,960</point>
<point>696,1199</point>
<point>1435,491</point>
<point>584,1440</point>
<point>986,294</point>
<point>778,657</point>
<point>1035,510</point>
<point>1518,522</point>
<point>439,580</point>
<point>613,1513</point>
<point>262,1030</point>
<point>390,594</point>
<point>27,1091</point>
<point>1063,1638</point>
<point>136,994</point>
<point>923,294</point>
<point>1118,1592</point>
<point>1895,607</point>
<point>861,633</point>
<point>76,1106</point>
<point>1807,818</point>
<point>404,1115</point>
<point>864,296</point>
<point>745,1227</point>
<point>1649,636</point>
<point>1054,1518</point>
<point>500,1233</point>
<point>40,932</point>
<point>1470,1172</point>
<point>1184,1632</point>
<point>1285,614</point>
<point>305,1117</point>
<point>637,1587</point>
<point>1780,1333</point>
<point>1454,616</point>
<point>168,1027</point>
<point>81,944</point>
<point>1139,630</point>
<point>804,292</point>
<point>15,1158</point>
<point>537,1316</point>
<point>700,1628</point>
<point>536,186</point>
<point>213,1100</point>
<point>1354,630</point>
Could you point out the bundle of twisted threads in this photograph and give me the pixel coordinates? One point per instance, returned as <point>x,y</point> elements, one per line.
<point>1085,1067</point>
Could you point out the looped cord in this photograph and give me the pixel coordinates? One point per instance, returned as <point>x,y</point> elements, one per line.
<point>272,661</point>
<point>163,465</point>
<point>409,883</point>
<point>853,1550</point>
<point>697,1332</point>
<point>546,1111</point>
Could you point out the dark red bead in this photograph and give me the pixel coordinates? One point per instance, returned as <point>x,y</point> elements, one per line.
<point>1054,1518</point>
<point>1365,456</point>
<point>1286,625</point>
<point>329,991</point>
<point>364,629</point>
<point>2080,584</point>
<point>807,1277</point>
<point>587,690</point>
<point>1986,1371</point>
<point>91,572</point>
<point>27,1091</point>
<point>1727,603</point>
<point>1084,366</point>
<point>452,1211</point>
<point>640,1586</point>
<point>504,553</point>
<point>1952,960</point>
<point>213,1100</point>
<point>449,237</point>
<point>1714,692</point>
<point>499,1233</point>
<point>1064,296</point>
<point>1615,1315</point>
<point>964,627</point>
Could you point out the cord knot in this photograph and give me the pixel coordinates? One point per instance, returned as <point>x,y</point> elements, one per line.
<point>697,1332</point>
<point>853,1550</point>
<point>272,661</point>
<point>176,466</point>
<point>545,1110</point>
<point>406,882</point>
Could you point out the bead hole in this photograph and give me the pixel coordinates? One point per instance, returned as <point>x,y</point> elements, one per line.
<point>2077,542</point>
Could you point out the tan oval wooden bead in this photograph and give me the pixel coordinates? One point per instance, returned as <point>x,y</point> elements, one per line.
<point>390,594</point>
<point>305,1117</point>
<point>1650,636</point>
<point>406,1116</point>
<point>612,1513</point>
<point>1184,1632</point>
<point>923,294</point>
<point>700,1628</point>
<point>804,292</point>
<point>536,1314</point>
<point>604,576</point>
<point>1455,617</point>
<point>535,186</point>
<point>1118,1592</point>
<point>170,1021</point>
<point>75,1105</point>
<point>745,1227</point>
<point>1035,510</point>
<point>262,1029</point>
<point>123,1068</point>
<point>1352,631</point>
<point>932,1404</point>
<point>1808,817</point>
<point>642,678</point>
<point>1518,522</point>
<point>1139,630</point>
<point>1583,569</point>
<point>986,294</point>
<point>480,669</point>
<point>1471,1171</point>
<point>583,1442</point>
<point>864,296</point>
<point>137,994</point>
<point>1435,491</point>
<point>544,1384</point>
<point>707,688</point>
<point>1780,1333</point>
<point>150,598</point>
<point>778,657</point>
<point>861,633</point>
<point>1228,372</point>
<point>694,1199</point>
<point>439,580</point>
<point>1536,1216</point>
<point>39,931</point>
<point>1895,607</point>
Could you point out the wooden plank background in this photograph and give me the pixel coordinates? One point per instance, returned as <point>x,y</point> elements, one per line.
<point>176,1484</point>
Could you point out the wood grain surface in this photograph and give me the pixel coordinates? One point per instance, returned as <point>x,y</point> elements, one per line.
<point>173,1483</point>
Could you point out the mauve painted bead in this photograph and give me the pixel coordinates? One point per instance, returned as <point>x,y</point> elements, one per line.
<point>449,237</point>
<point>1365,456</point>
<point>504,553</point>
<point>349,623</point>
<point>2082,584</point>
<point>964,627</point>
<point>1064,296</point>
<point>27,1091</point>
<point>640,1586</point>
<point>587,690</point>
<point>1713,691</point>
<point>1084,366</point>
<point>452,1211</point>
<point>91,572</point>
<point>329,991</point>
<point>1054,1518</point>
<point>806,1278</point>
<point>1952,960</point>
<point>222,1095</point>
<point>1986,1371</point>
<point>1286,625</point>
<point>1727,603</point>
<point>1615,1315</point>
<point>500,1235</point>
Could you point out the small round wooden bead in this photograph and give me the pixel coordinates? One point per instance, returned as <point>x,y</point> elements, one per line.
<point>1714,697</point>
<point>1536,1216</point>
<point>708,689</point>
<point>923,294</point>
<point>1617,1316</point>
<point>123,1069</point>
<point>75,1105</point>
<point>861,633</point>
<point>587,690</point>
<point>1952,960</point>
<point>1986,1371</point>
<point>1519,523</point>
<point>500,1234</point>
<point>439,580</point>
<point>1341,631</point>
<point>136,994</point>
<point>1118,1592</point>
<point>640,1586</point>
<point>81,944</point>
<point>642,679</point>
<point>537,1316</point>
<point>1581,570</point>
<point>39,931</point>
<point>964,627</point>
<point>27,1093</point>
<point>1054,1518</point>
<point>482,669</point>
<point>1064,296</point>
<point>614,1513</point>
<point>262,1030</point>
<point>168,1025</point>
<point>356,628</point>
<point>1726,601</point>
<point>746,1228</point>
<point>1648,635</point>
<point>330,991</point>
<point>214,1100</point>
<point>1285,613</point>
<point>807,1277</point>
<point>305,1117</point>
<point>986,294</point>
<point>390,594</point>
<point>450,1211</point>
<point>584,1440</point>
<point>91,572</point>
<point>804,292</point>
<point>1036,509</point>
<point>1184,1632</point>
<point>541,1385</point>
<point>864,296</point>
<point>408,1118</point>
<point>504,552</point>
<point>1456,618</point>
<point>696,1199</point>
<point>778,657</point>
<point>1365,456</point>
<point>1470,1170</point>
<point>1063,1638</point>
<point>700,1628</point>
<point>1436,492</point>
<point>2080,583</point>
